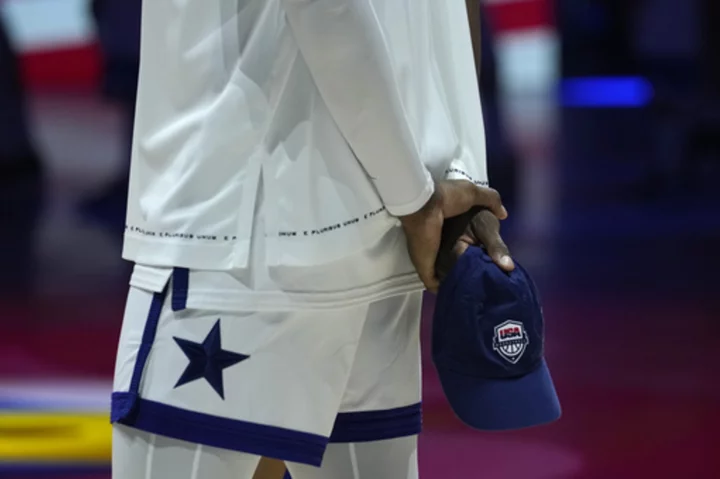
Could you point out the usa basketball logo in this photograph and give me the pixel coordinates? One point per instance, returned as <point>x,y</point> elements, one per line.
<point>510,340</point>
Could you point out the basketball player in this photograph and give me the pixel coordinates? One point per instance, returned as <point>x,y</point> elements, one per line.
<point>293,163</point>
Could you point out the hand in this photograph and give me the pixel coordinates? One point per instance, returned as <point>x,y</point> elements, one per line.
<point>423,228</point>
<point>484,229</point>
<point>473,228</point>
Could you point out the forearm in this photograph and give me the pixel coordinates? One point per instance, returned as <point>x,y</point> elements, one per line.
<point>343,46</point>
<point>473,10</point>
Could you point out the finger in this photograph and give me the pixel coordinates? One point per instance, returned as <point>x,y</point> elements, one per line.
<point>447,258</point>
<point>485,229</point>
<point>424,252</point>
<point>498,251</point>
<point>428,276</point>
<point>433,285</point>
<point>461,247</point>
<point>490,199</point>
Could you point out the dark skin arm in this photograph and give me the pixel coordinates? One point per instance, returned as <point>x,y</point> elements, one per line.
<point>479,226</point>
<point>473,9</point>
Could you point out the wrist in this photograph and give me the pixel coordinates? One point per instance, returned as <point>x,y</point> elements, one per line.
<point>425,190</point>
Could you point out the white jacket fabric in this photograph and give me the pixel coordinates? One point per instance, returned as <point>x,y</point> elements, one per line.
<point>305,125</point>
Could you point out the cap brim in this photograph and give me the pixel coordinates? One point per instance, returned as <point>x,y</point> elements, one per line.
<point>502,404</point>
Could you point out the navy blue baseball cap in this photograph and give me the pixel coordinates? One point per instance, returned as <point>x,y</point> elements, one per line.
<point>487,346</point>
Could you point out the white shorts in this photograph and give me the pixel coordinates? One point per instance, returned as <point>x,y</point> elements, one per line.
<point>274,384</point>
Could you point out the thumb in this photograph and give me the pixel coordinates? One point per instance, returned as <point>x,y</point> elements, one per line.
<point>485,228</point>
<point>498,251</point>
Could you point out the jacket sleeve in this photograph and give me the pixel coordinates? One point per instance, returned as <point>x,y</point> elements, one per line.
<point>343,46</point>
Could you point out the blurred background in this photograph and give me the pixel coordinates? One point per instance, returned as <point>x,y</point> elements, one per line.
<point>603,124</point>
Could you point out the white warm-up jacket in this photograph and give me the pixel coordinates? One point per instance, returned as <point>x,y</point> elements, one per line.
<point>302,128</point>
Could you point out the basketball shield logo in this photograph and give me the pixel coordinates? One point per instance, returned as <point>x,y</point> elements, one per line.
<point>510,340</point>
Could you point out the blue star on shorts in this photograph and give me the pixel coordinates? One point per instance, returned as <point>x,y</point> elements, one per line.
<point>207,360</point>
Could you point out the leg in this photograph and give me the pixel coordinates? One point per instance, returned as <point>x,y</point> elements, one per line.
<point>141,455</point>
<point>389,459</point>
<point>270,469</point>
